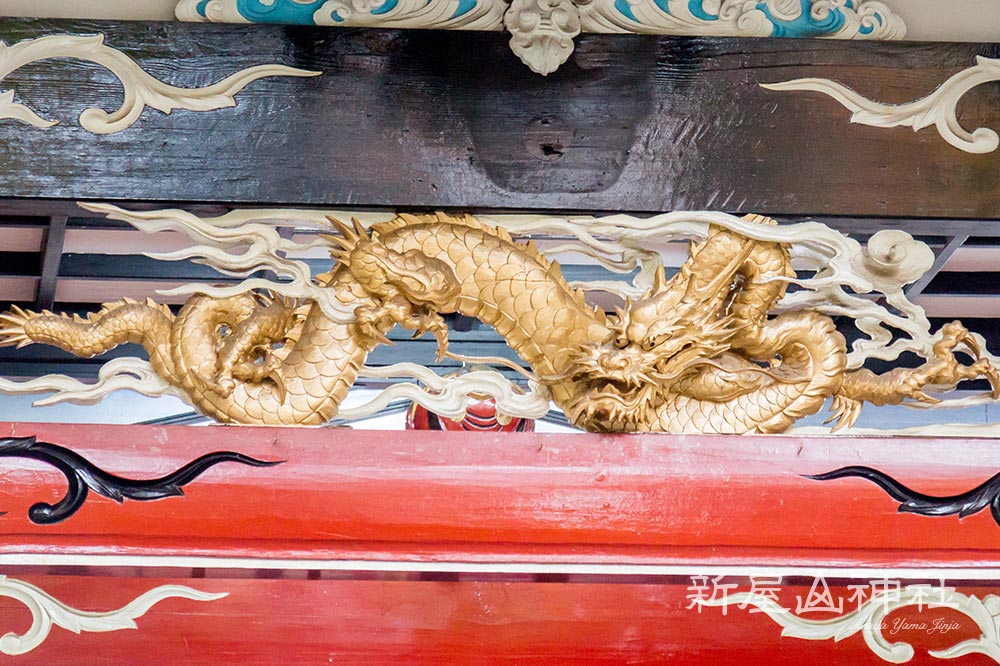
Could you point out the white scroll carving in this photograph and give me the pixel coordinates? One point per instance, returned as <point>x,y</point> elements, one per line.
<point>47,611</point>
<point>868,617</point>
<point>939,109</point>
<point>141,89</point>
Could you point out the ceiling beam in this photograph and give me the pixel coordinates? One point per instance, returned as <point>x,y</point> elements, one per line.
<point>942,258</point>
<point>55,236</point>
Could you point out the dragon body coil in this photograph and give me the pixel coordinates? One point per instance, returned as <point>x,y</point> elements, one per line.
<point>698,353</point>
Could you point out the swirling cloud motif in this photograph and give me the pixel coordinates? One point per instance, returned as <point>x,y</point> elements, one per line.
<point>141,89</point>
<point>245,242</point>
<point>47,611</point>
<point>435,14</point>
<point>939,109</point>
<point>838,19</point>
<point>868,617</point>
<point>82,476</point>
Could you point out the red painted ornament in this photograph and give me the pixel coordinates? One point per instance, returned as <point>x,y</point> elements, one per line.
<point>480,415</point>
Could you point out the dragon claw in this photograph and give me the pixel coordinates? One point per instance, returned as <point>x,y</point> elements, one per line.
<point>441,335</point>
<point>973,345</point>
<point>921,396</point>
<point>844,412</point>
<point>279,382</point>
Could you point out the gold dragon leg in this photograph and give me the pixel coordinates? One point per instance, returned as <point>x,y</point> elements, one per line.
<point>798,362</point>
<point>256,347</point>
<point>251,360</point>
<point>117,323</point>
<point>505,284</point>
<point>943,371</point>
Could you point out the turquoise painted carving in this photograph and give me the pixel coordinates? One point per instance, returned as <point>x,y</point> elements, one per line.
<point>842,19</point>
<point>460,14</point>
<point>283,11</point>
<point>775,18</point>
<point>543,30</point>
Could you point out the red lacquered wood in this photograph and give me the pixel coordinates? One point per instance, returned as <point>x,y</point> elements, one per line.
<point>370,623</point>
<point>526,497</point>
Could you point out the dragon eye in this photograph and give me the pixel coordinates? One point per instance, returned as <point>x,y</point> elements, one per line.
<point>649,344</point>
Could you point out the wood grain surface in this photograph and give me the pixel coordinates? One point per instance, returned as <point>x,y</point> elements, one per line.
<point>452,120</point>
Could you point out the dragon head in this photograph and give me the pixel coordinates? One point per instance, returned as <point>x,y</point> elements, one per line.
<point>673,330</point>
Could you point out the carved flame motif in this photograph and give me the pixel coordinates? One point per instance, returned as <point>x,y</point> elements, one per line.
<point>700,352</point>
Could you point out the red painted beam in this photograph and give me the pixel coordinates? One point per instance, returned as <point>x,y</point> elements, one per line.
<point>376,622</point>
<point>465,497</point>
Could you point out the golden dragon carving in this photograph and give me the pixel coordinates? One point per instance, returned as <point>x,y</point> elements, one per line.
<point>698,353</point>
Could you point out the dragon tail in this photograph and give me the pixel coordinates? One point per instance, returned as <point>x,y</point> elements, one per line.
<point>114,324</point>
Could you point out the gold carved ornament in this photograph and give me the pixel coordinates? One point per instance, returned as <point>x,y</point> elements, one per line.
<point>698,353</point>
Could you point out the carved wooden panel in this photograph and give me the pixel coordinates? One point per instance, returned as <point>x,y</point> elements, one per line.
<point>439,119</point>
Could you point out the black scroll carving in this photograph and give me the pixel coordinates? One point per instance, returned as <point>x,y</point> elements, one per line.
<point>82,476</point>
<point>973,501</point>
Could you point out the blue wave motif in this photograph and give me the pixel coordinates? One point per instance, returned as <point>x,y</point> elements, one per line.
<point>803,26</point>
<point>289,12</point>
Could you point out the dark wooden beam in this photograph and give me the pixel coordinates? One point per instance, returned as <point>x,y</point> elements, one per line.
<point>940,260</point>
<point>424,119</point>
<point>52,248</point>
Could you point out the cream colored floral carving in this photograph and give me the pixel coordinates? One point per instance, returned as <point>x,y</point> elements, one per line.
<point>542,32</point>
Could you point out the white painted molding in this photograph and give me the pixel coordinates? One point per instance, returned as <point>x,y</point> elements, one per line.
<point>141,89</point>
<point>939,109</point>
<point>982,573</point>
<point>47,611</point>
<point>868,617</point>
<point>542,31</point>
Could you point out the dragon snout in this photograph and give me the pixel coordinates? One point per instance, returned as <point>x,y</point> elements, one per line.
<point>616,362</point>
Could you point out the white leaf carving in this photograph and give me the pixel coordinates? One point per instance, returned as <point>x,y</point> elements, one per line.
<point>47,611</point>
<point>141,89</point>
<point>939,109</point>
<point>11,109</point>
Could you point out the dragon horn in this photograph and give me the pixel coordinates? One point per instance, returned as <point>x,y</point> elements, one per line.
<point>659,279</point>
<point>359,229</point>
<point>349,237</point>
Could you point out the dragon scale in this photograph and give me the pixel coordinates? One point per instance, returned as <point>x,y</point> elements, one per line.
<point>699,352</point>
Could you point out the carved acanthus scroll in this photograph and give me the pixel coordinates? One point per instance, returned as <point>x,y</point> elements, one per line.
<point>939,109</point>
